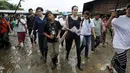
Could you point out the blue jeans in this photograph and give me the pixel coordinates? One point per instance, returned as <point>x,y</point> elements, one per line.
<point>87,41</point>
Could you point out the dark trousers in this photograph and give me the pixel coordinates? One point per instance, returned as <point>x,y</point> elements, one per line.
<point>4,39</point>
<point>95,42</point>
<point>35,35</point>
<point>69,41</point>
<point>92,43</point>
<point>42,44</point>
<point>11,26</point>
<point>111,32</point>
<point>104,37</point>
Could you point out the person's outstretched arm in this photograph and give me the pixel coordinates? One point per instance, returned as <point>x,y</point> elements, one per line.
<point>113,15</point>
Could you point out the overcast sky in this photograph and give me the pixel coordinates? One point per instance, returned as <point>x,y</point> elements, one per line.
<point>62,5</point>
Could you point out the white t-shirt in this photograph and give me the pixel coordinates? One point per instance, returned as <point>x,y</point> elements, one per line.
<point>86,27</point>
<point>121,28</point>
<point>21,27</point>
<point>62,22</point>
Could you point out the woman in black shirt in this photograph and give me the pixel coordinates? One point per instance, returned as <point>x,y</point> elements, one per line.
<point>73,21</point>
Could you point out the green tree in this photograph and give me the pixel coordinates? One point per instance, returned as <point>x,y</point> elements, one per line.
<point>4,5</point>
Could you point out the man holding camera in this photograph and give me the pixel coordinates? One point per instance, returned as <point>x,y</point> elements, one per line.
<point>121,40</point>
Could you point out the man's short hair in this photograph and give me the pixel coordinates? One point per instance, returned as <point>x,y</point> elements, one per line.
<point>30,9</point>
<point>97,14</point>
<point>39,8</point>
<point>128,6</point>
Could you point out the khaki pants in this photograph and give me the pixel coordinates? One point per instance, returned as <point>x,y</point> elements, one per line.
<point>54,49</point>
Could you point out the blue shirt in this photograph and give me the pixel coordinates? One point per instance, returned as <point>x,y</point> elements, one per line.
<point>6,18</point>
<point>39,25</point>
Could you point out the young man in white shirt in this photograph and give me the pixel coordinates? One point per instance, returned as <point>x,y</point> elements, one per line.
<point>121,40</point>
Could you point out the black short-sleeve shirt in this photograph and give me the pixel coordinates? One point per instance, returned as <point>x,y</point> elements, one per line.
<point>49,27</point>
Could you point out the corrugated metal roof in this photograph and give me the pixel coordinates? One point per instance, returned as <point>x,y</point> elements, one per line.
<point>22,11</point>
<point>12,11</point>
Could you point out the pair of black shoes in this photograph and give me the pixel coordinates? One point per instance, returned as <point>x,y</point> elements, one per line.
<point>78,64</point>
<point>79,67</point>
<point>44,57</point>
<point>54,60</point>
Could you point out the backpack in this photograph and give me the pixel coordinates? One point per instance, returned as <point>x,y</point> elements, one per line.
<point>83,20</point>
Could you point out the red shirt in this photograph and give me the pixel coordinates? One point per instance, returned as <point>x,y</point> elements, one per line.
<point>3,26</point>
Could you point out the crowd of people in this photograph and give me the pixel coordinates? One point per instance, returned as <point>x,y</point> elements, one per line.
<point>84,31</point>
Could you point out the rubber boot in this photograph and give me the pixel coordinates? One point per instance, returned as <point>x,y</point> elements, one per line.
<point>54,63</point>
<point>78,64</point>
<point>67,55</point>
<point>45,57</point>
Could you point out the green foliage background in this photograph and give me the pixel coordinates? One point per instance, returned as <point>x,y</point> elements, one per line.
<point>4,5</point>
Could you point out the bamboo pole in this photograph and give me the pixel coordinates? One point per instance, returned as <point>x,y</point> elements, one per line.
<point>18,6</point>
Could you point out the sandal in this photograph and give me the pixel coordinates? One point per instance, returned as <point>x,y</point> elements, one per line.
<point>110,69</point>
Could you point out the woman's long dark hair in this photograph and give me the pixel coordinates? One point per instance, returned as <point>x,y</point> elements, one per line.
<point>73,7</point>
<point>87,13</point>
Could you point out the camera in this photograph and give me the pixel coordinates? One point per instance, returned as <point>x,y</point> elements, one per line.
<point>53,33</point>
